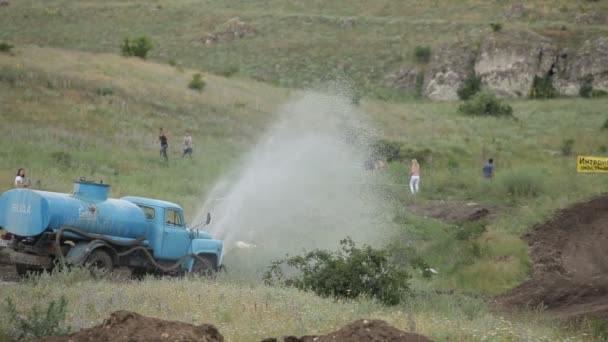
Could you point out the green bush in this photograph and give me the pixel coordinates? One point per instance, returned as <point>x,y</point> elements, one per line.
<point>229,70</point>
<point>522,183</point>
<point>496,27</point>
<point>6,47</point>
<point>598,93</point>
<point>197,82</point>
<point>470,87</point>
<point>37,322</point>
<point>138,47</point>
<point>386,149</point>
<point>419,87</point>
<point>485,103</point>
<point>542,88</point>
<point>598,329</point>
<point>422,54</point>
<point>470,231</point>
<point>348,273</point>
<point>566,147</point>
<point>586,89</point>
<point>62,159</point>
<point>104,91</point>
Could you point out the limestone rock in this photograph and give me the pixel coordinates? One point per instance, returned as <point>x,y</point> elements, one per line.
<point>508,62</point>
<point>449,67</point>
<point>590,59</point>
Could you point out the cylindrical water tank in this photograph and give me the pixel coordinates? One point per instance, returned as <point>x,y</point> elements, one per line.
<point>25,212</point>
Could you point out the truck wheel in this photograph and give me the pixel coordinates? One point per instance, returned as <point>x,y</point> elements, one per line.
<point>25,270</point>
<point>203,266</point>
<point>99,262</point>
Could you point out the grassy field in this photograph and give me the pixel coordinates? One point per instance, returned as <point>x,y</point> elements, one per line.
<point>102,112</point>
<point>295,43</point>
<point>251,313</point>
<point>70,107</point>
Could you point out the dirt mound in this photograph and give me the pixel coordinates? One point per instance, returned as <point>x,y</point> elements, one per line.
<point>126,326</point>
<point>361,331</point>
<point>570,264</point>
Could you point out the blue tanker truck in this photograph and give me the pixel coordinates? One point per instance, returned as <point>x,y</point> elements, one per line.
<point>87,228</point>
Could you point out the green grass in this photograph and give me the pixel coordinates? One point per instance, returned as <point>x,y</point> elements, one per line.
<point>251,313</point>
<point>295,44</point>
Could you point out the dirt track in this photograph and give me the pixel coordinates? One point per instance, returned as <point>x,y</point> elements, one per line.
<point>570,264</point>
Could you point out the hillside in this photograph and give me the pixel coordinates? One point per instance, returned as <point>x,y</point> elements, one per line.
<point>292,43</point>
<point>71,107</point>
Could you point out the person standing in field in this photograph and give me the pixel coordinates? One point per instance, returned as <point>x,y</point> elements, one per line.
<point>163,137</point>
<point>21,181</point>
<point>187,145</point>
<point>488,169</point>
<point>415,177</point>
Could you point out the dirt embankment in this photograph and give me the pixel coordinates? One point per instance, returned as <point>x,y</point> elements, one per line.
<point>126,326</point>
<point>570,264</point>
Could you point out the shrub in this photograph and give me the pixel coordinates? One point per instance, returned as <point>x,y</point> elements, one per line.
<point>598,93</point>
<point>138,47</point>
<point>62,159</point>
<point>470,87</point>
<point>197,82</point>
<point>470,231</point>
<point>496,27</point>
<point>422,54</point>
<point>37,322</point>
<point>419,84</point>
<point>104,91</point>
<point>598,329</point>
<point>347,273</point>
<point>566,147</point>
<point>485,103</point>
<point>522,183</point>
<point>586,89</point>
<point>6,47</point>
<point>542,88</point>
<point>229,70</point>
<point>386,149</point>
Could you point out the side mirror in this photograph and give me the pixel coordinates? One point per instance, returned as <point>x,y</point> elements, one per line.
<point>208,219</point>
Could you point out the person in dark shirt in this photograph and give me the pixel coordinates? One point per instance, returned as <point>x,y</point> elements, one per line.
<point>164,144</point>
<point>488,169</point>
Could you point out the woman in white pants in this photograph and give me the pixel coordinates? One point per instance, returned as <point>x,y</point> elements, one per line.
<point>414,177</point>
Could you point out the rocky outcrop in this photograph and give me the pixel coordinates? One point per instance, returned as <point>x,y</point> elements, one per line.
<point>404,78</point>
<point>448,68</point>
<point>590,59</point>
<point>508,63</point>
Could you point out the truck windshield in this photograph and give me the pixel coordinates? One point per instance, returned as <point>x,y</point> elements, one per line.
<point>173,217</point>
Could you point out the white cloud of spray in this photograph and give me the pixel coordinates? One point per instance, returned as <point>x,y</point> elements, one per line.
<point>302,186</point>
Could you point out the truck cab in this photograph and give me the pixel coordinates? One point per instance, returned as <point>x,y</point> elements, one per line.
<point>169,236</point>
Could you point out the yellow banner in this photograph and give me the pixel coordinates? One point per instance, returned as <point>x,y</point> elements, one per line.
<point>591,164</point>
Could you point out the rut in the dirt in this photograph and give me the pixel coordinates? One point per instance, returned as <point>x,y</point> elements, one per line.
<point>570,264</point>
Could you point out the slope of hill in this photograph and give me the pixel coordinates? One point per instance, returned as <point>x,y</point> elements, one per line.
<point>293,43</point>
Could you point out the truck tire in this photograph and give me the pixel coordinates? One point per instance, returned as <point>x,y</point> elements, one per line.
<point>203,266</point>
<point>25,270</point>
<point>99,262</point>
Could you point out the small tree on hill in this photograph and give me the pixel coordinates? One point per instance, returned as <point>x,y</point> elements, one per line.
<point>138,47</point>
<point>348,273</point>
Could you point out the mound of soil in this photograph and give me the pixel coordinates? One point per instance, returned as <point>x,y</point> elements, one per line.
<point>361,331</point>
<point>126,326</point>
<point>570,264</point>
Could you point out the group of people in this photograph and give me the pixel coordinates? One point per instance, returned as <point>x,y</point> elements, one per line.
<point>488,172</point>
<point>163,138</point>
